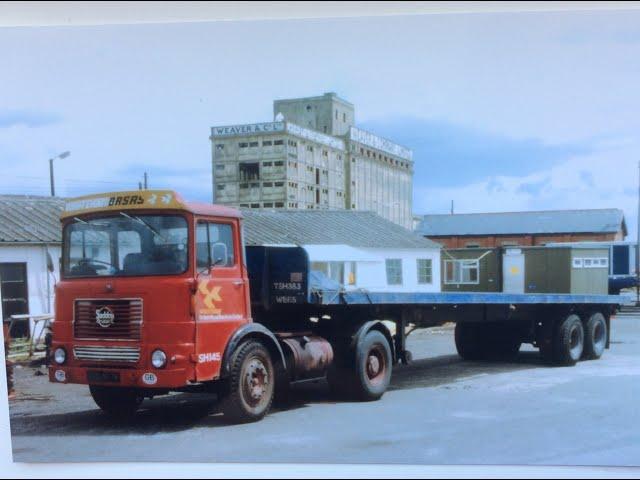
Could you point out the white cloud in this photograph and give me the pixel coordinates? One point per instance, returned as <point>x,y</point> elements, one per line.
<point>604,179</point>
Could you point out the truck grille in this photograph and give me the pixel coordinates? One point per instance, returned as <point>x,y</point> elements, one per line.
<point>107,354</point>
<point>124,319</point>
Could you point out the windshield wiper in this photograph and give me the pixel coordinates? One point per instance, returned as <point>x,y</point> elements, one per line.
<point>139,220</point>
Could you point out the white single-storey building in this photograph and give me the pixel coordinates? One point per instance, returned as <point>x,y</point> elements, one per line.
<point>30,236</point>
<point>358,250</point>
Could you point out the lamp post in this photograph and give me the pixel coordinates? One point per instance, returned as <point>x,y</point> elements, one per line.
<point>61,156</point>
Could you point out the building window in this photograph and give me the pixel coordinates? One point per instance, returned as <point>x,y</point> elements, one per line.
<point>278,142</point>
<point>463,272</point>
<point>278,164</point>
<point>255,205</point>
<point>268,205</point>
<point>344,117</point>
<point>243,144</point>
<point>266,164</point>
<point>472,245</point>
<point>219,146</point>
<point>279,204</point>
<point>279,184</point>
<point>394,271</point>
<point>220,186</point>
<point>219,168</point>
<point>253,144</point>
<point>267,143</point>
<point>425,272</point>
<point>249,171</point>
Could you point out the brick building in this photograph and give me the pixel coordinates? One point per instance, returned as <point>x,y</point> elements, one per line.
<point>478,230</point>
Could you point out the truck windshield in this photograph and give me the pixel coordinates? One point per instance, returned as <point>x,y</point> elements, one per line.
<point>126,245</point>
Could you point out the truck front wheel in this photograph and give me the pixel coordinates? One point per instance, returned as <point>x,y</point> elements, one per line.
<point>251,384</point>
<point>116,402</point>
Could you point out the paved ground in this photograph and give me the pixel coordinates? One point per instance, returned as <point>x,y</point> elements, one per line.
<point>439,410</point>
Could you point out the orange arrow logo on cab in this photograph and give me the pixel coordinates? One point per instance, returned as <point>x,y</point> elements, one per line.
<point>209,296</point>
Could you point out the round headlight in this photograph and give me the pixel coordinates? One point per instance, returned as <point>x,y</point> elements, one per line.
<point>60,356</point>
<point>158,359</point>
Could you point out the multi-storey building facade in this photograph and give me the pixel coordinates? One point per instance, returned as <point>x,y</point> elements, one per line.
<point>312,157</point>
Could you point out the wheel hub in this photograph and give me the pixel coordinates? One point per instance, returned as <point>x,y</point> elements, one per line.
<point>256,379</point>
<point>373,366</point>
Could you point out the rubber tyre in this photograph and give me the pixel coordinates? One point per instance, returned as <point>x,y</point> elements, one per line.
<point>569,341</point>
<point>595,336</point>
<point>117,402</point>
<point>372,369</point>
<point>469,342</point>
<point>250,362</point>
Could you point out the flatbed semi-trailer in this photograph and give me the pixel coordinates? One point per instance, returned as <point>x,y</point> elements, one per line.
<point>160,295</point>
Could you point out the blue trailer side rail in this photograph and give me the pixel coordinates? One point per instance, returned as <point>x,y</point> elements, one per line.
<point>332,297</point>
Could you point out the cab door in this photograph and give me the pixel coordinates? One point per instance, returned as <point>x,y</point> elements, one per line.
<point>221,302</point>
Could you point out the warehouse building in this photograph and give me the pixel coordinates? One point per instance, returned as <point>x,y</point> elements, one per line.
<point>29,250</point>
<point>312,157</point>
<point>487,230</point>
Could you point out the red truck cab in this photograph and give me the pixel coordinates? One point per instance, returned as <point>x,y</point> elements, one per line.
<point>153,289</point>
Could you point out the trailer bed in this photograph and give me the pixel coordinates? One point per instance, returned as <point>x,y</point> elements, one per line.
<point>329,297</point>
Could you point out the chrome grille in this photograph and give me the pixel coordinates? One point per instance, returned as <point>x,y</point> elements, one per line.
<point>107,354</point>
<point>126,325</point>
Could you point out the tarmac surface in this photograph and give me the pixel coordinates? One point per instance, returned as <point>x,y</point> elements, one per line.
<point>439,410</point>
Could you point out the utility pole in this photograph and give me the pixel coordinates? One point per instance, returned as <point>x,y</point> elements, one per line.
<point>51,179</point>
<point>145,180</point>
<point>451,207</point>
<point>638,245</point>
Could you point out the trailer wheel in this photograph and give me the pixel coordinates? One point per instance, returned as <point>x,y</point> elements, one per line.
<point>251,384</point>
<point>569,341</point>
<point>468,342</point>
<point>373,367</point>
<point>595,337</point>
<point>117,402</point>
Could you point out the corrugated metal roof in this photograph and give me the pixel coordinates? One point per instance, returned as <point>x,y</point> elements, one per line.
<point>609,220</point>
<point>328,227</point>
<point>30,219</point>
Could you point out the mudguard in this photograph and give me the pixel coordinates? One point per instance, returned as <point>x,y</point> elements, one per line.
<point>252,330</point>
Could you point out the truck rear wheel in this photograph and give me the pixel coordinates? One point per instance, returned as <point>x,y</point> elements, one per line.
<point>116,402</point>
<point>251,384</point>
<point>372,367</point>
<point>595,336</point>
<point>568,343</point>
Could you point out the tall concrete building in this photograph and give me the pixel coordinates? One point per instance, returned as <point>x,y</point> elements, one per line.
<point>312,157</point>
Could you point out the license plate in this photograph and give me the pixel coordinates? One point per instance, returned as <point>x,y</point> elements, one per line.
<point>103,377</point>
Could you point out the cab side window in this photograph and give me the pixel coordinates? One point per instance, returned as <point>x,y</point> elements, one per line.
<point>214,245</point>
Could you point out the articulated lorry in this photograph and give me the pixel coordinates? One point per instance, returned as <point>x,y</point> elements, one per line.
<point>159,295</point>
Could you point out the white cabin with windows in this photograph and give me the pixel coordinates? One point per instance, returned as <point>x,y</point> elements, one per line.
<point>355,250</point>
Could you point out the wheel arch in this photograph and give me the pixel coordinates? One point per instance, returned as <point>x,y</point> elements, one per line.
<point>254,331</point>
<point>377,325</point>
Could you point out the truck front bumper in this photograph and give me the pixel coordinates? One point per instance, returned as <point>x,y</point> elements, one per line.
<point>125,377</point>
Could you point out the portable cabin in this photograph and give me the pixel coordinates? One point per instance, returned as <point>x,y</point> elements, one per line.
<point>578,269</point>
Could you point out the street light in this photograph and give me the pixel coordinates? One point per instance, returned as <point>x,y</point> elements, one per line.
<point>61,156</point>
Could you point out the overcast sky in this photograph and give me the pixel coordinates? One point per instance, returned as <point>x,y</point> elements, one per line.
<point>503,111</point>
